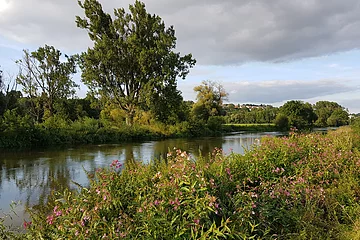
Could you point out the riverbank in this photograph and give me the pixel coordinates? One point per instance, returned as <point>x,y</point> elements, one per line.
<point>91,131</point>
<point>251,127</point>
<point>299,187</point>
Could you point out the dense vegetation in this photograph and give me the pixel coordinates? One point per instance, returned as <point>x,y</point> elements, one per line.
<point>295,187</point>
<point>131,72</point>
<point>27,121</point>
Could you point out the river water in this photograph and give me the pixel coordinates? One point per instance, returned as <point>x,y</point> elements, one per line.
<point>28,177</point>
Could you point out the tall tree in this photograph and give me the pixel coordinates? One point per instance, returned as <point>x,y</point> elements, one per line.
<point>132,58</point>
<point>324,109</point>
<point>210,97</point>
<point>339,117</point>
<point>301,115</point>
<point>43,74</point>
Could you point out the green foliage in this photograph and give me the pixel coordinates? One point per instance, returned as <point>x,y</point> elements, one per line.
<point>250,127</point>
<point>215,123</point>
<point>210,97</point>
<point>296,187</point>
<point>43,74</point>
<point>325,109</point>
<point>301,115</point>
<point>244,115</point>
<point>132,60</point>
<point>282,122</point>
<point>16,130</point>
<point>2,103</point>
<point>339,117</point>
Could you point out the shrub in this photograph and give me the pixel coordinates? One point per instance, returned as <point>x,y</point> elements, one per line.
<point>295,187</point>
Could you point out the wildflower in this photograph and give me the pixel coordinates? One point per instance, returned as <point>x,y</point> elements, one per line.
<point>50,219</point>
<point>196,221</point>
<point>116,164</point>
<point>58,213</point>
<point>27,224</point>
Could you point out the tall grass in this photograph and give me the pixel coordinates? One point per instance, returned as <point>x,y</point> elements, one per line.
<point>294,187</point>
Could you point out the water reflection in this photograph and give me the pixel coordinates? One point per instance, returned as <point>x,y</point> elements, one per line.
<point>30,176</point>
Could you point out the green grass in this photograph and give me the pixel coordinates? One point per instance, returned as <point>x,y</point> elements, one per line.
<point>251,127</point>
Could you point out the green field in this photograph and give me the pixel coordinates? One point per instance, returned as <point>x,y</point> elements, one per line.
<point>251,127</point>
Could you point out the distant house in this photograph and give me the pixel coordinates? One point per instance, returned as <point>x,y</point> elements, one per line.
<point>247,105</point>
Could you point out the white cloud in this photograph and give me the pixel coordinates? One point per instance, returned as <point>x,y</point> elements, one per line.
<point>216,32</point>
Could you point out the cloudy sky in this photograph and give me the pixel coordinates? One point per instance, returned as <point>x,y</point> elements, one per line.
<point>261,51</point>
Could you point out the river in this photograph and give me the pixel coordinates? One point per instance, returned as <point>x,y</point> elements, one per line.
<point>27,177</point>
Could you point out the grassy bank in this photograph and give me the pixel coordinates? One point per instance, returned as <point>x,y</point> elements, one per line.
<point>295,187</point>
<point>22,133</point>
<point>255,127</point>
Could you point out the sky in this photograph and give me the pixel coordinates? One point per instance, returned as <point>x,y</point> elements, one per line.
<point>261,51</point>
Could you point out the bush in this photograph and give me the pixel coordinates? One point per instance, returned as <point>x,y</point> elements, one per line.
<point>215,123</point>
<point>282,122</point>
<point>295,187</point>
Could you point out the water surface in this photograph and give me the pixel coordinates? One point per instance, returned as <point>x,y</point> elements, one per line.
<point>28,177</point>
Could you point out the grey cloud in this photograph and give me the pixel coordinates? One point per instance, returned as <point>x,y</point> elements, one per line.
<point>279,91</point>
<point>216,32</point>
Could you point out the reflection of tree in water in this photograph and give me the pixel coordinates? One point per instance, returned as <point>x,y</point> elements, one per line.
<point>35,179</point>
<point>35,174</point>
<point>196,147</point>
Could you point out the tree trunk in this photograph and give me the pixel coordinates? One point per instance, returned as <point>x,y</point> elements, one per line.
<point>130,117</point>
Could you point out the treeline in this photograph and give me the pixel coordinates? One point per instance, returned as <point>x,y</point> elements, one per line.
<point>30,121</point>
<point>131,72</point>
<point>292,114</point>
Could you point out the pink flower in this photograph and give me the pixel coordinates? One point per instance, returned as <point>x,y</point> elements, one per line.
<point>50,219</point>
<point>26,224</point>
<point>58,213</point>
<point>196,221</point>
<point>56,208</point>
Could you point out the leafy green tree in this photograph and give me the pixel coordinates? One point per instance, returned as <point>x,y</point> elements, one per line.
<point>12,99</point>
<point>339,117</point>
<point>282,122</point>
<point>210,97</point>
<point>323,110</point>
<point>43,74</point>
<point>167,106</point>
<point>301,115</point>
<point>132,59</point>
